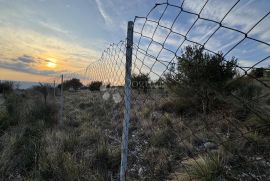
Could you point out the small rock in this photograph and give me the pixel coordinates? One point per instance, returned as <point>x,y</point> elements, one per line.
<point>106,96</point>
<point>140,172</point>
<point>210,146</point>
<point>117,97</point>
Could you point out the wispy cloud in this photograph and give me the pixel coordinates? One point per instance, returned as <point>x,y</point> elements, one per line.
<point>26,68</point>
<point>53,27</point>
<point>103,13</point>
<point>25,59</point>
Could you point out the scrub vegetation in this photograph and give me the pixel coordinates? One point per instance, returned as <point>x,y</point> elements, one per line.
<point>202,121</point>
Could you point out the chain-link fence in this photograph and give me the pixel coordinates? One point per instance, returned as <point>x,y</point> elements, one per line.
<point>193,88</point>
<point>193,118</point>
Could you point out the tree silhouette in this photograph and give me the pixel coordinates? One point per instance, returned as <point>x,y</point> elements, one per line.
<point>95,86</point>
<point>257,72</point>
<point>72,83</point>
<point>44,90</point>
<point>140,82</point>
<point>201,75</point>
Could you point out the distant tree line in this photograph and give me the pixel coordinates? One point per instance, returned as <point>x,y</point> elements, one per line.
<point>260,72</point>
<point>75,84</point>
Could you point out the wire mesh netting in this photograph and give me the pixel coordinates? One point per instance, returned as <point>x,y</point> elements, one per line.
<point>188,119</point>
<point>200,94</point>
<point>90,104</point>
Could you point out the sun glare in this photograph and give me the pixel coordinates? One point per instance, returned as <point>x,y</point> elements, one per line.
<point>51,63</point>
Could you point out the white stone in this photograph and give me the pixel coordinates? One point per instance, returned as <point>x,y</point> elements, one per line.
<point>117,97</point>
<point>106,96</point>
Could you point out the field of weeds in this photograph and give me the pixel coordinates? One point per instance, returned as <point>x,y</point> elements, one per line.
<point>168,140</point>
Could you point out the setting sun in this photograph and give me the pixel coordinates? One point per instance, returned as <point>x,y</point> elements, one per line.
<point>51,63</point>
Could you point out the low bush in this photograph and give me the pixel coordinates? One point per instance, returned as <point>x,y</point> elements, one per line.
<point>180,106</point>
<point>4,122</point>
<point>147,112</point>
<point>89,136</point>
<point>61,166</point>
<point>206,168</point>
<point>14,108</point>
<point>95,86</point>
<point>46,112</point>
<point>168,107</point>
<point>85,105</point>
<point>163,138</point>
<point>165,122</point>
<point>24,152</point>
<point>70,143</point>
<point>105,160</point>
<point>247,90</point>
<point>6,87</point>
<point>158,163</point>
<point>184,105</point>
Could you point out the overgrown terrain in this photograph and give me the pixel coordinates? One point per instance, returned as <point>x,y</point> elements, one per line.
<point>188,128</point>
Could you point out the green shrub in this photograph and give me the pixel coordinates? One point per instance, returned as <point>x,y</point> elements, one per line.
<point>95,86</point>
<point>201,75</point>
<point>24,153</point>
<point>147,112</point>
<point>61,166</point>
<point>4,122</point>
<point>165,122</point>
<point>249,92</point>
<point>46,112</point>
<point>140,82</point>
<point>85,105</point>
<point>158,164</point>
<point>180,105</point>
<point>70,143</point>
<point>168,107</point>
<point>163,138</point>
<point>184,105</point>
<point>90,136</point>
<point>101,158</point>
<point>257,72</point>
<point>73,123</point>
<point>72,83</point>
<point>6,87</point>
<point>207,168</point>
<point>254,120</point>
<point>184,149</point>
<point>44,90</point>
<point>255,137</point>
<point>115,160</point>
<point>105,160</point>
<point>14,107</point>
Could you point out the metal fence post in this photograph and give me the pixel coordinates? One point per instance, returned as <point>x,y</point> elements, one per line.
<point>61,100</point>
<point>124,149</point>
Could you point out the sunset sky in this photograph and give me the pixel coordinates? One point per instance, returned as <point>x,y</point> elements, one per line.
<point>42,38</point>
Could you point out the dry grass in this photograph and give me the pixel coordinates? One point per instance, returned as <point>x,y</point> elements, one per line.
<point>87,146</point>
